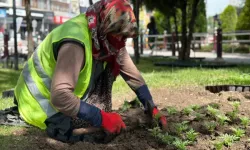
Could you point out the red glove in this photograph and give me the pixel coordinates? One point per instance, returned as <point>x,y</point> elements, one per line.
<point>162,119</point>
<point>112,122</point>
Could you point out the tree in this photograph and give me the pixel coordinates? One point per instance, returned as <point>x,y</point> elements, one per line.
<point>137,5</point>
<point>191,26</point>
<point>169,8</point>
<point>201,21</point>
<point>29,28</point>
<point>162,22</point>
<point>229,19</point>
<point>243,21</point>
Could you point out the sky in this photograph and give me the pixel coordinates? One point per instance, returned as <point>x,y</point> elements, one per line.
<point>216,6</point>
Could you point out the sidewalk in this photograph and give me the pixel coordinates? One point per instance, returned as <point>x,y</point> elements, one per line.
<point>235,58</point>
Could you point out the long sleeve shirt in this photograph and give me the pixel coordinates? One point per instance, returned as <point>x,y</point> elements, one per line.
<point>70,61</point>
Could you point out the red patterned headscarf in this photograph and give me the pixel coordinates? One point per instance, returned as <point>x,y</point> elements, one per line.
<point>111,22</point>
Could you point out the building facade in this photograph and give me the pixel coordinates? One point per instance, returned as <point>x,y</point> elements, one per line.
<point>45,15</point>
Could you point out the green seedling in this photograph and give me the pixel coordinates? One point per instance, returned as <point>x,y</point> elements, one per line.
<point>236,106</point>
<point>181,127</point>
<point>244,121</point>
<point>191,135</point>
<point>187,110</point>
<point>195,107</point>
<point>233,115</point>
<point>218,145</point>
<point>222,119</point>
<point>126,106</point>
<point>238,132</point>
<point>166,138</point>
<point>171,110</point>
<point>136,103</point>
<point>212,111</point>
<point>199,116</point>
<point>180,145</point>
<point>155,132</point>
<point>228,139</point>
<point>210,126</point>
<point>215,105</point>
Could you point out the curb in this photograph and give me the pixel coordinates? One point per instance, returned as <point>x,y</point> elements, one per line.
<point>219,88</point>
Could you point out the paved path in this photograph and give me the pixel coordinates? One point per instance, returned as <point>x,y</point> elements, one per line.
<point>209,56</point>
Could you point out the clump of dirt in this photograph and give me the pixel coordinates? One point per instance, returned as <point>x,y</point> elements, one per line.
<point>137,135</point>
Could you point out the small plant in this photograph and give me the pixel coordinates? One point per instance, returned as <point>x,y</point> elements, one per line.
<point>212,111</point>
<point>191,135</point>
<point>155,132</point>
<point>238,132</point>
<point>244,121</point>
<point>181,127</point>
<point>171,110</point>
<point>218,145</point>
<point>195,107</point>
<point>215,105</point>
<point>166,138</point>
<point>233,115</point>
<point>236,105</point>
<point>210,126</point>
<point>126,106</point>
<point>187,110</point>
<point>228,139</point>
<point>180,145</point>
<point>222,119</point>
<point>199,116</point>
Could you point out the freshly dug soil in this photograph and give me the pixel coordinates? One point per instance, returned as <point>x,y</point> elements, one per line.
<point>137,137</point>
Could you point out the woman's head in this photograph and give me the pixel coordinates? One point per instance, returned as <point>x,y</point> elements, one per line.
<point>117,18</point>
<point>112,20</point>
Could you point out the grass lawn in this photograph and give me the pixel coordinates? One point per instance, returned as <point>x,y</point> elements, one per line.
<point>176,77</point>
<point>155,77</point>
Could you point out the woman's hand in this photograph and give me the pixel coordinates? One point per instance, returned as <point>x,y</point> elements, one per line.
<point>112,122</point>
<point>157,115</point>
<point>162,120</point>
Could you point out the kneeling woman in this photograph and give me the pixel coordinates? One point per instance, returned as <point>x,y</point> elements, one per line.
<point>67,82</point>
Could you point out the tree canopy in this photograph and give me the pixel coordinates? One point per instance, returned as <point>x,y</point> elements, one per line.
<point>243,21</point>
<point>229,19</point>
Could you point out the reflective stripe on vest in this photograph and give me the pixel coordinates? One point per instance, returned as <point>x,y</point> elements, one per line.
<point>46,79</point>
<point>44,102</point>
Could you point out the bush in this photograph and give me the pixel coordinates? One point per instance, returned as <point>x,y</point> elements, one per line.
<point>242,49</point>
<point>207,48</point>
<point>236,48</point>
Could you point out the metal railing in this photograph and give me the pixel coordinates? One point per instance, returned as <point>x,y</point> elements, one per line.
<point>167,40</point>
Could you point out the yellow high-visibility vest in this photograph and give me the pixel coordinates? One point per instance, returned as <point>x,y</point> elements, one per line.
<point>33,87</point>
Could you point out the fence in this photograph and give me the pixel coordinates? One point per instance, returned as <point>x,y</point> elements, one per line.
<point>167,41</point>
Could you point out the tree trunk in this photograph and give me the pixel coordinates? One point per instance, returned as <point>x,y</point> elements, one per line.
<point>136,41</point>
<point>29,28</point>
<point>176,30</point>
<point>15,36</point>
<point>191,27</point>
<point>184,30</point>
<point>90,2</point>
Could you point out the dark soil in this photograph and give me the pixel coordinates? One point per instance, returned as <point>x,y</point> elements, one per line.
<point>137,137</point>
